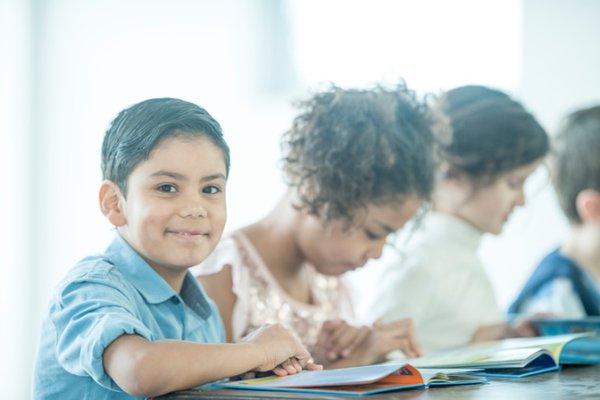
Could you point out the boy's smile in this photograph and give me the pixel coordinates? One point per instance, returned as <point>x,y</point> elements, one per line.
<point>174,210</point>
<point>187,235</point>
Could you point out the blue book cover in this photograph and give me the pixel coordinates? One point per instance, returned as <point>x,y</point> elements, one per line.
<point>509,358</point>
<point>581,351</point>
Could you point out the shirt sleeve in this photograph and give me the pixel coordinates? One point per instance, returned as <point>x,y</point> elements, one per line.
<point>89,315</point>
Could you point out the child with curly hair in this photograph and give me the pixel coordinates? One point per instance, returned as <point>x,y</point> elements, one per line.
<point>441,283</point>
<point>359,164</point>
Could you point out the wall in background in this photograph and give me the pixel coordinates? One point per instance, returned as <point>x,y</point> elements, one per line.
<point>16,336</point>
<point>559,74</point>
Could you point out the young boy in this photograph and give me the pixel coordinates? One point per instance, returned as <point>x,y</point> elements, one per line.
<point>566,282</point>
<point>133,322</point>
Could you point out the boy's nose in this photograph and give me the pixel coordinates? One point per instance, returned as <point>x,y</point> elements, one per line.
<point>196,210</point>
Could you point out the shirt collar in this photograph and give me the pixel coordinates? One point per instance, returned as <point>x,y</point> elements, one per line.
<point>149,283</point>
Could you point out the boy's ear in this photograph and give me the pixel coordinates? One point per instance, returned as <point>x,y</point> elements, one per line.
<point>588,205</point>
<point>110,203</point>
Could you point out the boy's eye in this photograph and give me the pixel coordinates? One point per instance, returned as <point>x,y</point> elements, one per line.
<point>167,188</point>
<point>212,189</point>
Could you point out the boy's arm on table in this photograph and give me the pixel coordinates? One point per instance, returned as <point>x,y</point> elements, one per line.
<point>144,368</point>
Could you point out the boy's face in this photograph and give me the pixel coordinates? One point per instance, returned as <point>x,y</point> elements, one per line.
<point>174,212</point>
<point>490,207</point>
<point>333,250</point>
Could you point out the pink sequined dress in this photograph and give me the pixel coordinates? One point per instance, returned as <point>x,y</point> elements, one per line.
<point>260,299</point>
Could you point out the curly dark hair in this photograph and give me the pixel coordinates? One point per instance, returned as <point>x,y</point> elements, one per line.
<point>350,147</point>
<point>491,133</point>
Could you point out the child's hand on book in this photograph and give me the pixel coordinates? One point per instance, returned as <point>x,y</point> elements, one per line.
<point>363,345</point>
<point>282,352</point>
<point>397,335</point>
<point>338,340</point>
<point>523,328</point>
<point>502,330</point>
<point>486,333</point>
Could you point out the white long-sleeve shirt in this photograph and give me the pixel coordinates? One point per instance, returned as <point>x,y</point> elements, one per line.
<point>441,284</point>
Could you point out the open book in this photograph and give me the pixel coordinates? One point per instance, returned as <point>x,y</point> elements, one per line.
<point>509,358</point>
<point>581,351</point>
<point>355,381</point>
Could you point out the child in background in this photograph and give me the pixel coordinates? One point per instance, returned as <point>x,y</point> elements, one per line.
<point>132,322</point>
<point>359,164</point>
<point>567,282</point>
<point>441,283</point>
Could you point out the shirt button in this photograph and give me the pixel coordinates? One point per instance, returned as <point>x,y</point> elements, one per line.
<point>175,300</point>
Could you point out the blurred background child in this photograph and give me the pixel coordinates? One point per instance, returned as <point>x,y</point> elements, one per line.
<point>359,164</point>
<point>566,282</point>
<point>441,283</point>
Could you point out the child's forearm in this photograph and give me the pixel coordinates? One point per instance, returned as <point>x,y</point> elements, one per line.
<point>143,368</point>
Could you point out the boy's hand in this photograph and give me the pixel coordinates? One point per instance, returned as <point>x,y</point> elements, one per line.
<point>292,366</point>
<point>338,340</point>
<point>283,352</point>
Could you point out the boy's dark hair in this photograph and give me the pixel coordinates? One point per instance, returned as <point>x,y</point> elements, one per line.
<point>491,134</point>
<point>577,159</point>
<point>348,148</point>
<point>137,130</point>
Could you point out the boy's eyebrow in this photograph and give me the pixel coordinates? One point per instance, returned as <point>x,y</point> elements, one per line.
<point>178,176</point>
<point>168,174</point>
<point>215,176</point>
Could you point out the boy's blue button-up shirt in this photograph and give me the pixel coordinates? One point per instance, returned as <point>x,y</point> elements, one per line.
<point>102,298</point>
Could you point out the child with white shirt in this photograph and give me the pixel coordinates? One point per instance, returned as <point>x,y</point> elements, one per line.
<point>441,283</point>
